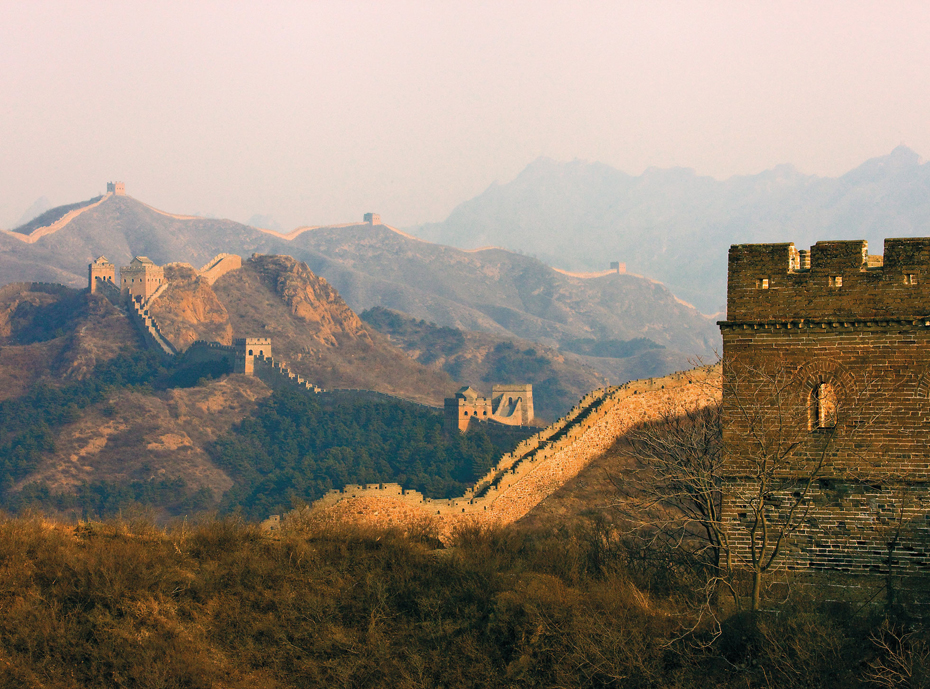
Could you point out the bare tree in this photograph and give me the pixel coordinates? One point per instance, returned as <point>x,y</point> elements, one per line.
<point>729,484</point>
<point>672,493</point>
<point>783,425</point>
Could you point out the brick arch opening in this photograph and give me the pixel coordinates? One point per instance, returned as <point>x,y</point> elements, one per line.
<point>825,386</point>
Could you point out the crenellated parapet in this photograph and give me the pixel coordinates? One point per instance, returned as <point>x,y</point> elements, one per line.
<point>541,464</point>
<point>833,280</point>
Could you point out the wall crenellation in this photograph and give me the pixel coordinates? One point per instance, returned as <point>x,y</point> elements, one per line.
<point>837,279</point>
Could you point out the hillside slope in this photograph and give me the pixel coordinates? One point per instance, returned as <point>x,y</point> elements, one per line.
<point>494,291</point>
<point>497,291</point>
<point>56,333</point>
<point>559,378</point>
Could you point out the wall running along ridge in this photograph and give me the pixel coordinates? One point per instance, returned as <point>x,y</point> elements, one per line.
<point>834,316</point>
<point>40,232</point>
<point>539,465</point>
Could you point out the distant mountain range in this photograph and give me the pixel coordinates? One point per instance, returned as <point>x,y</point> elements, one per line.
<point>495,291</point>
<point>675,226</point>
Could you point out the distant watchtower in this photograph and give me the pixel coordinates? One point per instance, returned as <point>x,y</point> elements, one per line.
<point>100,269</point>
<point>372,218</point>
<point>116,188</point>
<point>617,267</point>
<point>247,348</point>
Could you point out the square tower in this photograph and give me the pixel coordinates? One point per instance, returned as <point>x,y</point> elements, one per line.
<point>140,279</point>
<point>826,402</point>
<point>513,404</point>
<point>100,269</point>
<point>247,349</point>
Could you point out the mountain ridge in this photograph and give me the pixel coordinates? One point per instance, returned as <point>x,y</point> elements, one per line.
<point>676,226</point>
<point>377,265</point>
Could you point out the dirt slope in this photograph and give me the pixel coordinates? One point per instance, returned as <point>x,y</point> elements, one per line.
<point>139,437</point>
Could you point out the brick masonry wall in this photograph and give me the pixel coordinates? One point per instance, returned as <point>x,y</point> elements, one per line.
<point>850,526</point>
<point>868,338</point>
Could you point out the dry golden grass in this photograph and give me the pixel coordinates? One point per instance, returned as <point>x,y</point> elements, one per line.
<point>222,604</point>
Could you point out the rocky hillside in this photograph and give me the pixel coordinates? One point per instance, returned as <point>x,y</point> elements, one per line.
<point>150,437</point>
<point>311,327</point>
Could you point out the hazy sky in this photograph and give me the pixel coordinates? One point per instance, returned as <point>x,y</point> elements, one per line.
<point>317,112</point>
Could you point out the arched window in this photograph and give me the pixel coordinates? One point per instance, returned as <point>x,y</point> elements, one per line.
<point>824,406</point>
<point>250,352</point>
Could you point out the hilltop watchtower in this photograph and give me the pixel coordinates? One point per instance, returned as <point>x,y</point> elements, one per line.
<point>116,188</point>
<point>247,348</point>
<point>140,279</point>
<point>827,351</point>
<point>372,218</point>
<point>100,269</point>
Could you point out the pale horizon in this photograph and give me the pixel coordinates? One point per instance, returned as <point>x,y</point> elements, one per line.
<point>314,114</point>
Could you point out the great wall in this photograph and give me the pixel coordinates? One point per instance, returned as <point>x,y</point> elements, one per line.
<point>538,466</point>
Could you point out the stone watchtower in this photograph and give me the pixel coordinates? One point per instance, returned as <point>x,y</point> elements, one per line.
<point>100,269</point>
<point>511,405</point>
<point>140,279</point>
<point>116,188</point>
<point>247,348</point>
<point>372,218</point>
<point>827,352</point>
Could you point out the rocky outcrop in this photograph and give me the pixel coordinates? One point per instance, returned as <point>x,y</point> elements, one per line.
<point>310,299</point>
<point>189,310</point>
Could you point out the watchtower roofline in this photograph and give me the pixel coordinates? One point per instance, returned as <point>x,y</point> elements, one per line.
<point>833,280</point>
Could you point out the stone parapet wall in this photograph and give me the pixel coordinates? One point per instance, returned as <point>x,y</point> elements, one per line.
<point>149,329</point>
<point>40,232</point>
<point>205,351</point>
<point>772,281</point>
<point>277,376</point>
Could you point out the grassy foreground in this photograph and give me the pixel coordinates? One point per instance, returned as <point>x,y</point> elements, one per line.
<point>220,604</point>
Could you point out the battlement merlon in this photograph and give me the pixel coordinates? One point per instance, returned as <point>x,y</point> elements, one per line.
<point>835,279</point>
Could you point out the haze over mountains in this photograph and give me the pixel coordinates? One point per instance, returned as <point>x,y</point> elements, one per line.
<point>676,226</point>
<point>373,265</point>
